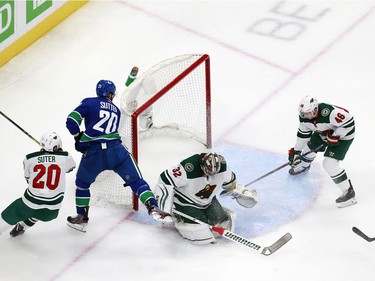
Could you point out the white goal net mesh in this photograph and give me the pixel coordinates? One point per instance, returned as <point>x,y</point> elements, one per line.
<point>171,98</point>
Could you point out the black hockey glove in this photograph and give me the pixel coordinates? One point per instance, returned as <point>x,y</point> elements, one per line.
<point>294,157</point>
<point>79,146</point>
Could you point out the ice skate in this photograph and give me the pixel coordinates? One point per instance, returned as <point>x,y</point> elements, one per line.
<point>79,222</point>
<point>298,170</point>
<point>17,230</point>
<point>347,199</point>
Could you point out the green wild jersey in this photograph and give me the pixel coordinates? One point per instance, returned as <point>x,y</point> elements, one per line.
<point>191,185</point>
<point>330,118</point>
<point>45,174</point>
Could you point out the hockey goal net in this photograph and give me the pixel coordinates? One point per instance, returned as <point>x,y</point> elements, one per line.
<point>171,98</point>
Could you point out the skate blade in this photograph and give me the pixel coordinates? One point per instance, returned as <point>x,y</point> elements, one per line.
<point>347,203</point>
<point>79,227</point>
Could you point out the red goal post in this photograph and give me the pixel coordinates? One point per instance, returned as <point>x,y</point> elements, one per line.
<point>203,59</point>
<point>171,98</point>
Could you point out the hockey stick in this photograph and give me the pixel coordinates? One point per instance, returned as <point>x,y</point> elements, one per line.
<point>15,124</point>
<point>361,234</point>
<point>241,240</point>
<point>284,165</point>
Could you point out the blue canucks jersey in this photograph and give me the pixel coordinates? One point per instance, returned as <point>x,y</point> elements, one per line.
<point>101,117</point>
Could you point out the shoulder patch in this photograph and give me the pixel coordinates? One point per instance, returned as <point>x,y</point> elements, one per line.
<point>192,166</point>
<point>325,112</point>
<point>189,167</point>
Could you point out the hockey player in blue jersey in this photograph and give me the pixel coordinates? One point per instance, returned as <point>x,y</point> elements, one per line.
<point>102,150</point>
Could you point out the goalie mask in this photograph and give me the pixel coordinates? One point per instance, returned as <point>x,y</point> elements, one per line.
<point>210,164</point>
<point>50,142</point>
<point>308,107</point>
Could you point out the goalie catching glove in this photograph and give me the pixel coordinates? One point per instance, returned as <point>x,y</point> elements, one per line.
<point>244,197</point>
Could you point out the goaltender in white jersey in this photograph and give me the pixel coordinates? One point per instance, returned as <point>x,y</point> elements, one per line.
<point>191,188</point>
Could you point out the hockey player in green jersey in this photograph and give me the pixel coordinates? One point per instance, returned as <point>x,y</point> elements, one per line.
<point>331,128</point>
<point>44,171</point>
<point>191,188</point>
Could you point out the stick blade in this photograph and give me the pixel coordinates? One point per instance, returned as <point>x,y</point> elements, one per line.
<point>277,245</point>
<point>361,234</point>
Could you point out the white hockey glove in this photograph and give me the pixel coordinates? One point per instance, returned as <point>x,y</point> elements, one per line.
<point>247,199</point>
<point>161,216</point>
<point>244,197</point>
<point>158,214</point>
<point>164,196</point>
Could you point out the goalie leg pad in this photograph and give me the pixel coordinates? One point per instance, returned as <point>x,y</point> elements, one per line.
<point>198,234</point>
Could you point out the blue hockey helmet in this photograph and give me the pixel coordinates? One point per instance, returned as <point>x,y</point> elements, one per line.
<point>104,88</point>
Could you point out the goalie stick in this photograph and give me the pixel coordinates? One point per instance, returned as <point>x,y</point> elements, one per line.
<point>241,240</point>
<point>361,234</point>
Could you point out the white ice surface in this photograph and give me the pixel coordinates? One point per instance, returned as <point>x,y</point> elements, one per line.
<point>257,82</point>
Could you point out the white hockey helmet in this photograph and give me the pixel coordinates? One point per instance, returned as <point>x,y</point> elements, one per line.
<point>211,163</point>
<point>308,107</point>
<point>50,142</point>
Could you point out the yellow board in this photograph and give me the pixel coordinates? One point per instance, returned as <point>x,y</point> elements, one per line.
<point>38,31</point>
